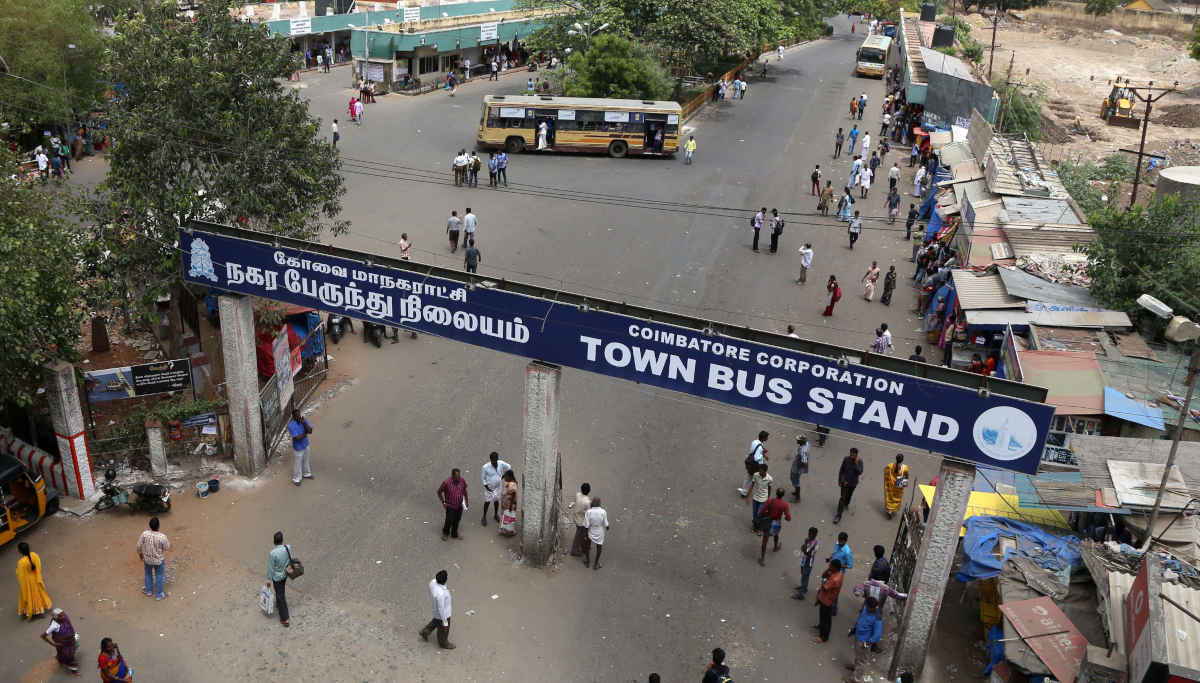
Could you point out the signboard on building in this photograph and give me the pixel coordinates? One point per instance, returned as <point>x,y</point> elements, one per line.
<point>1137,617</point>
<point>300,26</point>
<point>138,380</point>
<point>1050,634</point>
<point>988,429</point>
<point>412,14</point>
<point>1010,361</point>
<point>489,32</point>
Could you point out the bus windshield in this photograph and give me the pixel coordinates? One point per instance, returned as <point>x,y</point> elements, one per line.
<point>871,54</point>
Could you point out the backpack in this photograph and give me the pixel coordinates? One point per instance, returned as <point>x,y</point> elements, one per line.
<point>815,176</point>
<point>751,463</point>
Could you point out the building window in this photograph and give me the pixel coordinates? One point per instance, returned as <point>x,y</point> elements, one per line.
<point>429,64</point>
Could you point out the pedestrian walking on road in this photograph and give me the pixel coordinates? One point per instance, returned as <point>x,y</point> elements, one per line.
<point>277,563</point>
<point>452,227</point>
<point>826,197</point>
<point>841,553</point>
<point>453,496</point>
<point>854,229</point>
<point>469,222</point>
<point>491,476</point>
<point>862,104</point>
<point>495,71</point>
<point>152,547</point>
<point>869,279</point>
<point>806,257</point>
<point>866,144</point>
<point>837,143</point>
<point>864,180</point>
<point>853,135</point>
<point>887,121</point>
<point>473,170</point>
<point>358,112</point>
<point>32,599</point>
<point>439,595</point>
<point>880,344</point>
<point>60,634</point>
<point>816,180</point>
<point>799,466</point>
<point>508,504</point>
<point>908,223</point>
<point>893,205</point>
<point>835,294</point>
<point>756,223</point>
<point>853,107</point>
<point>779,51</point>
<point>760,491</point>
<point>113,668</point>
<point>848,474</point>
<point>461,162</point>
<point>844,205</point>
<point>717,672</point>
<point>757,456</point>
<point>775,510</point>
<point>868,629</point>
<point>808,555</point>
<point>776,229</point>
<point>895,480</point>
<point>492,169</point>
<point>912,157</point>
<point>689,149</point>
<point>336,135</point>
<point>916,355</point>
<point>471,257</point>
<point>299,429</point>
<point>596,521</point>
<point>889,286</point>
<point>579,512</point>
<point>502,167</point>
<point>918,182</point>
<point>874,163</point>
<point>855,167</point>
<point>827,595</point>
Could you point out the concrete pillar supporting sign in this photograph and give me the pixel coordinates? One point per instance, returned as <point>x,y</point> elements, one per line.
<point>241,383</point>
<point>66,414</point>
<point>938,546</point>
<point>542,478</point>
<point>158,448</point>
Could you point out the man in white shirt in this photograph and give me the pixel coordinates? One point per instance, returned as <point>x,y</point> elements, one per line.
<point>756,457</point>
<point>887,336</point>
<point>806,257</point>
<point>43,163</point>
<point>469,221</point>
<point>866,146</point>
<point>336,134</point>
<point>596,521</point>
<point>756,223</point>
<point>460,167</point>
<point>490,476</point>
<point>441,612</point>
<point>358,112</point>
<point>894,175</point>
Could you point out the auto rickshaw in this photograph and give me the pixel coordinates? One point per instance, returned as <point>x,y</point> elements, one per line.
<point>24,498</point>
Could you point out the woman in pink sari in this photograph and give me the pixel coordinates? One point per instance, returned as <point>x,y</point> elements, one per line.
<point>869,280</point>
<point>350,107</point>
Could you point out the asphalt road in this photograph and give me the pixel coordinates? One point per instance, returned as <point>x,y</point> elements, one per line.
<point>679,576</point>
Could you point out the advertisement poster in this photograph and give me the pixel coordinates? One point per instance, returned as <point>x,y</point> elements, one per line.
<point>131,381</point>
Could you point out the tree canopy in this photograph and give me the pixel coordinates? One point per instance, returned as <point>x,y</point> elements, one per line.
<point>205,129</point>
<point>54,48</point>
<point>1152,249</point>
<point>615,67</point>
<point>1099,8</point>
<point>40,315</point>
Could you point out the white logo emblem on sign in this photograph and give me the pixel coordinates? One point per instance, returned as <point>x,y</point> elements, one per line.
<point>1004,433</point>
<point>202,265</point>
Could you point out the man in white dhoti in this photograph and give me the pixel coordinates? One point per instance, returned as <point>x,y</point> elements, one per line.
<point>490,475</point>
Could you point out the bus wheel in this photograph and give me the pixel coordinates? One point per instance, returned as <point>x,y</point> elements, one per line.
<point>514,144</point>
<point>618,149</point>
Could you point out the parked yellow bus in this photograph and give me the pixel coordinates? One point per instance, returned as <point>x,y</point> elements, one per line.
<point>872,56</point>
<point>580,124</point>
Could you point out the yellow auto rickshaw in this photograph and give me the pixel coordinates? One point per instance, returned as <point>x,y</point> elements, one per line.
<point>24,498</point>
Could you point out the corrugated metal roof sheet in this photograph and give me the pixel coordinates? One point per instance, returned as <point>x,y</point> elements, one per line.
<point>1106,319</point>
<point>1015,167</point>
<point>1094,452</point>
<point>1122,407</point>
<point>955,153</point>
<point>1066,339</point>
<point>1022,284</point>
<point>983,291</point>
<point>1026,239</point>
<point>982,240</point>
<point>1073,377</point>
<point>945,64</point>
<point>911,34</point>
<point>1149,380</point>
<point>1039,211</point>
<point>1182,632</point>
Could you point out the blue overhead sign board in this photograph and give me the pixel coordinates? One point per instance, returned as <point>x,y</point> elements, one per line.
<point>995,431</point>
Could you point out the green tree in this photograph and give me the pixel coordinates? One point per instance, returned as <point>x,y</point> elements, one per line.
<point>53,49</point>
<point>559,18</point>
<point>1099,8</point>
<point>697,31</point>
<point>206,130</point>
<point>40,315</point>
<point>1152,249</point>
<point>1194,47</point>
<point>615,67</point>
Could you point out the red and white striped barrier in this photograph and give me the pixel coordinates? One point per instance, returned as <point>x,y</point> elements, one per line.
<point>39,461</point>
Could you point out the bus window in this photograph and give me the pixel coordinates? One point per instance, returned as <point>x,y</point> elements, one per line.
<point>872,55</point>
<point>589,120</point>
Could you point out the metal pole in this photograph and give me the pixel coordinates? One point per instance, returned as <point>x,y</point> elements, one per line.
<point>1137,178</point>
<point>995,24</point>
<point>1183,415</point>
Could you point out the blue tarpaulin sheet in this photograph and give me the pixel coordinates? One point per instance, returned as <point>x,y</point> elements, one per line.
<point>935,224</point>
<point>304,323</point>
<point>1058,554</point>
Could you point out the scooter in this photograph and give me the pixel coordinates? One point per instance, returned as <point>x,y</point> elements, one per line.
<point>336,324</point>
<point>112,494</point>
<point>373,332</point>
<point>150,498</point>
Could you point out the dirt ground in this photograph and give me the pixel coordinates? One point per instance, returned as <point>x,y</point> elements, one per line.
<point>1077,67</point>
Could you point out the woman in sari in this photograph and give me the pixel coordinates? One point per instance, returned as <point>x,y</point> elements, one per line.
<point>508,504</point>
<point>835,294</point>
<point>61,635</point>
<point>869,279</point>
<point>895,479</point>
<point>350,108</point>
<point>844,206</point>
<point>33,600</point>
<point>112,664</point>
<point>889,285</point>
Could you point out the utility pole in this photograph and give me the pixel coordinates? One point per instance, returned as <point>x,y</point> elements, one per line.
<point>995,25</point>
<point>1183,416</point>
<point>1149,99</point>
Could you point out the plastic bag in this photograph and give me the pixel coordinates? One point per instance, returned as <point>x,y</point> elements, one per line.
<point>266,599</point>
<point>508,522</point>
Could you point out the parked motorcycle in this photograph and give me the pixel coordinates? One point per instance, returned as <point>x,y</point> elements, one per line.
<point>111,494</point>
<point>822,434</point>
<point>374,333</point>
<point>147,497</point>
<point>336,324</point>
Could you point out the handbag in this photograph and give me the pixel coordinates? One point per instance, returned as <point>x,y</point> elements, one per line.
<point>266,599</point>
<point>762,522</point>
<point>294,568</point>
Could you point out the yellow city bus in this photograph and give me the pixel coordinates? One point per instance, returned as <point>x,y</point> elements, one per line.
<point>580,124</point>
<point>872,56</point>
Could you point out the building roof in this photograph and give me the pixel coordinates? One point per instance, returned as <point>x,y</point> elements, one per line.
<point>911,33</point>
<point>1073,377</point>
<point>1022,284</point>
<point>1154,382</point>
<point>982,240</point>
<point>1038,211</point>
<point>945,64</point>
<point>1027,240</point>
<point>1182,631</point>
<point>982,291</point>
<point>1015,167</point>
<point>1124,408</point>
<point>1066,339</point>
<point>953,153</point>
<point>1049,317</point>
<point>1156,5</point>
<point>1094,452</point>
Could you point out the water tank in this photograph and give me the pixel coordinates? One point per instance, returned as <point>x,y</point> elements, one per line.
<point>1179,181</point>
<point>928,12</point>
<point>943,36</point>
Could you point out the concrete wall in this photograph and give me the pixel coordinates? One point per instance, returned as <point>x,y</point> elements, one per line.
<point>952,98</point>
<point>35,459</point>
<point>1126,21</point>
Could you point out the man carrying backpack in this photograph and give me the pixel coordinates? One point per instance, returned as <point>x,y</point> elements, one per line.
<point>776,229</point>
<point>756,457</point>
<point>717,672</point>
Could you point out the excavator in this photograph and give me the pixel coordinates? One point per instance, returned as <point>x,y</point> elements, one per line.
<point>1117,109</point>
